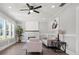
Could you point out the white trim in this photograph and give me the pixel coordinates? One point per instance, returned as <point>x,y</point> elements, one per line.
<point>74,35</point>
<point>70,52</point>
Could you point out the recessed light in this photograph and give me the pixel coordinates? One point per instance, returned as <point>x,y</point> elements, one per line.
<point>53,6</point>
<point>9,7</point>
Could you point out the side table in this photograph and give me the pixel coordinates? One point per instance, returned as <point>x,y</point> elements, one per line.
<point>59,44</point>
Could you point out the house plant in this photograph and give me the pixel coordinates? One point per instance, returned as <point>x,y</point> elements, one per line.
<point>19,31</point>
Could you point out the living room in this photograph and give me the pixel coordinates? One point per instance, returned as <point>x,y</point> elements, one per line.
<point>43,23</point>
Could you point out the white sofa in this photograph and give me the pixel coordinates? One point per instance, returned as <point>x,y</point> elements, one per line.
<point>47,40</point>
<point>34,45</point>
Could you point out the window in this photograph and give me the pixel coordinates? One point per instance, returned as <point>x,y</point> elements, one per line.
<point>12,30</point>
<point>6,29</point>
<point>1,28</point>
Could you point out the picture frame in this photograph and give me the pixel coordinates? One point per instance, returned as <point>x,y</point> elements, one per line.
<point>55,23</point>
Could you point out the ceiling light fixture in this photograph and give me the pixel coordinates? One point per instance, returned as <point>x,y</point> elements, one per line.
<point>53,6</point>
<point>31,10</point>
<point>9,7</point>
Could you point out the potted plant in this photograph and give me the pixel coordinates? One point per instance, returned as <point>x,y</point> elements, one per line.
<point>19,31</point>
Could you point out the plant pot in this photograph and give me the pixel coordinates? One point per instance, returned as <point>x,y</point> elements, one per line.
<point>19,39</point>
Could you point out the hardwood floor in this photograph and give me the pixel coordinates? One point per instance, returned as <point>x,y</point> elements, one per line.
<point>17,49</point>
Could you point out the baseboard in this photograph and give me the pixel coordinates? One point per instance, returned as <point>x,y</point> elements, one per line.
<point>6,46</point>
<point>70,52</point>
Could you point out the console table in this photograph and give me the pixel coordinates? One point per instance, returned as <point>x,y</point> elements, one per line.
<point>59,44</point>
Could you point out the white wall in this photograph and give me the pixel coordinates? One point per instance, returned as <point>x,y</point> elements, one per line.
<point>77,29</point>
<point>50,30</point>
<point>67,21</point>
<point>43,27</point>
<point>31,25</point>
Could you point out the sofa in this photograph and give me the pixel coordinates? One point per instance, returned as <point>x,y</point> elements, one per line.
<point>48,39</point>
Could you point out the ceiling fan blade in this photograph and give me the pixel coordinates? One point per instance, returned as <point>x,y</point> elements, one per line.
<point>37,7</point>
<point>23,9</point>
<point>62,4</point>
<point>28,5</point>
<point>36,11</point>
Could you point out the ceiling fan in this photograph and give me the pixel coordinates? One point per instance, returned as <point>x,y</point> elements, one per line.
<point>31,8</point>
<point>62,4</point>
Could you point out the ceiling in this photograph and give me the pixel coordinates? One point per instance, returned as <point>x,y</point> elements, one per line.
<point>46,12</point>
